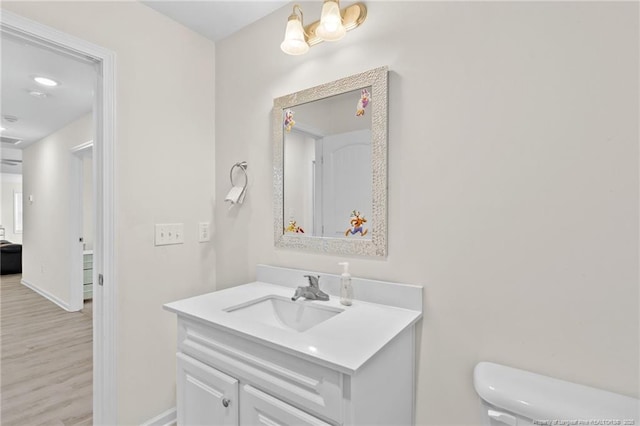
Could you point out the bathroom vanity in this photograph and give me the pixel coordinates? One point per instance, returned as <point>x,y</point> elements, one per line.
<point>249,355</point>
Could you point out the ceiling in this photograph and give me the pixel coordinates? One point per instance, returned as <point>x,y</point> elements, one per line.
<point>39,117</point>
<point>73,97</point>
<point>215,19</point>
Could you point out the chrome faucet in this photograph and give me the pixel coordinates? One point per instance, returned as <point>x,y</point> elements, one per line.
<point>312,291</point>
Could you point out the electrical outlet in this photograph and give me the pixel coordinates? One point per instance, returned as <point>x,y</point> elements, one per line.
<point>169,233</point>
<point>203,232</point>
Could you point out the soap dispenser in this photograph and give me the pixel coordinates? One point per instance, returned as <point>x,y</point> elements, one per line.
<point>346,291</point>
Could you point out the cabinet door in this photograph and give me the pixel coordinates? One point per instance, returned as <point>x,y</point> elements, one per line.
<point>206,396</point>
<point>258,408</point>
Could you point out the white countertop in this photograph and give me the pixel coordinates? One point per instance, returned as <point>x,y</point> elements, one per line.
<point>344,342</point>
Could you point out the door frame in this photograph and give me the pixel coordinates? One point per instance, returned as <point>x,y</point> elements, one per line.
<point>104,114</point>
<point>76,224</point>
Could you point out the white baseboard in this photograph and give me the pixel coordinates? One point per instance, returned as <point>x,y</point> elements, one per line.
<point>168,418</point>
<point>46,295</point>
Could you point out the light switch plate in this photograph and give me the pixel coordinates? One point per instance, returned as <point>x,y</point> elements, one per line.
<point>169,233</point>
<point>203,232</point>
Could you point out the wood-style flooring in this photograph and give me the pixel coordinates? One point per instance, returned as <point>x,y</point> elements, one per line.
<point>46,370</point>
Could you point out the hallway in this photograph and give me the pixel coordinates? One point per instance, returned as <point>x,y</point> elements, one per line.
<point>46,359</point>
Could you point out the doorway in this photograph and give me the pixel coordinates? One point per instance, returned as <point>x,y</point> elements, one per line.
<point>104,344</point>
<point>82,225</point>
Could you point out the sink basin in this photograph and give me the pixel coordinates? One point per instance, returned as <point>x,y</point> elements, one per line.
<point>280,312</point>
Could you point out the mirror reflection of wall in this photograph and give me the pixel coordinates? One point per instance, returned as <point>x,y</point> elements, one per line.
<point>327,166</point>
<point>299,160</point>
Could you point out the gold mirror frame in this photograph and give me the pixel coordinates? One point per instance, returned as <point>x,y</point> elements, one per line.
<point>377,79</point>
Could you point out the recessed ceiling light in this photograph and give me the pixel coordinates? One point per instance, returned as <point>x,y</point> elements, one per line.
<point>39,95</point>
<point>45,81</point>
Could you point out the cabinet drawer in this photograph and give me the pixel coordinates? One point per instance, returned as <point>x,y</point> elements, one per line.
<point>296,381</point>
<point>258,408</point>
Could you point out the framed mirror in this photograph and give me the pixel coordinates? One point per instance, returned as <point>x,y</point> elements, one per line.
<point>330,166</point>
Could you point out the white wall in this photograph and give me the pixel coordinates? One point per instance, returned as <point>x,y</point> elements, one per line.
<point>513,180</point>
<point>299,154</point>
<point>87,201</point>
<point>334,115</point>
<point>46,167</point>
<point>164,174</point>
<point>11,183</point>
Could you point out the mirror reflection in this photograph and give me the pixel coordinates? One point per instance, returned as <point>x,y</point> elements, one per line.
<point>330,166</point>
<point>327,166</point>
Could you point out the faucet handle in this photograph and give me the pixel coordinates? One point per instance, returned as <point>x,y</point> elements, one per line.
<point>314,281</point>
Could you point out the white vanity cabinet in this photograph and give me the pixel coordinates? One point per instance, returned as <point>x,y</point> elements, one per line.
<point>226,379</point>
<point>356,368</point>
<point>205,395</point>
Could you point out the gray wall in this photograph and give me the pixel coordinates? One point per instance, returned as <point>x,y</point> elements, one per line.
<point>513,180</point>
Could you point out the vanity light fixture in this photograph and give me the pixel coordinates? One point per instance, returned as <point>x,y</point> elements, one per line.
<point>45,81</point>
<point>332,26</point>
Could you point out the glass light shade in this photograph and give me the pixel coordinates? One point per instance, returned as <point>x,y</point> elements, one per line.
<point>294,42</point>
<point>45,81</point>
<point>331,28</point>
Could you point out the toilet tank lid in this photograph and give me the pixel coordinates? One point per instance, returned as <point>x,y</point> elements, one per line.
<point>538,397</point>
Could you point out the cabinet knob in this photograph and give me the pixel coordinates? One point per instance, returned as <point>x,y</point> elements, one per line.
<point>226,402</point>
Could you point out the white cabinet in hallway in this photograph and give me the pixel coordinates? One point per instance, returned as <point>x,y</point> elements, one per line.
<point>87,274</point>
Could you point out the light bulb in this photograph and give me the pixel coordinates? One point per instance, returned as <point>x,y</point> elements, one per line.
<point>294,41</point>
<point>331,28</point>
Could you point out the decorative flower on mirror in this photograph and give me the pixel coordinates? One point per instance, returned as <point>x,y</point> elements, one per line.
<point>363,102</point>
<point>357,221</point>
<point>288,120</point>
<point>293,227</point>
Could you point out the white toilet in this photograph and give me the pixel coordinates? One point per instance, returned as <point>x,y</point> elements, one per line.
<point>520,398</point>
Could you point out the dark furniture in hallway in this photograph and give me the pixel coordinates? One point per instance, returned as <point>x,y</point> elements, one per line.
<point>10,258</point>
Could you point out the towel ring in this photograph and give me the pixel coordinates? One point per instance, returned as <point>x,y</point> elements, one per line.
<point>243,166</point>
